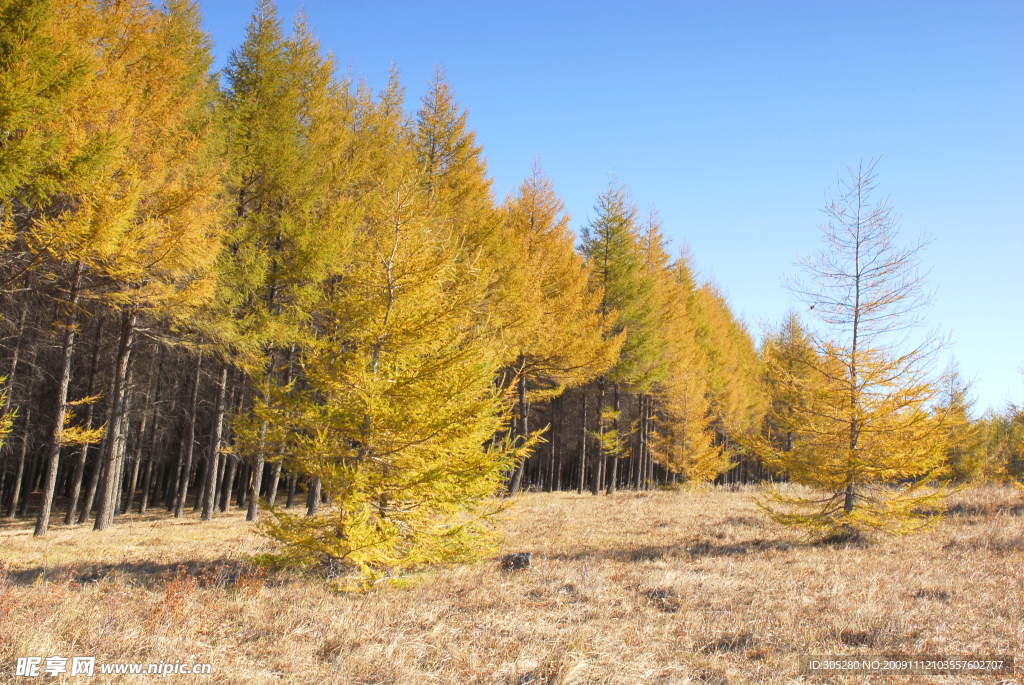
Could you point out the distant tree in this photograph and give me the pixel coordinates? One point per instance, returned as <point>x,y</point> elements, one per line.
<point>965,454</point>
<point>686,440</point>
<point>788,362</point>
<point>871,440</point>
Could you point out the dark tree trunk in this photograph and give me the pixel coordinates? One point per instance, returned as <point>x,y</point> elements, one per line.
<point>313,497</point>
<point>242,490</point>
<point>252,495</point>
<point>549,481</point>
<point>275,478</point>
<point>229,481</point>
<point>293,483</point>
<point>173,477</point>
<point>613,471</point>
<point>147,482</point>
<point>153,432</point>
<point>19,473</point>
<point>108,493</point>
<point>122,443</point>
<point>648,456</point>
<point>583,447</point>
<point>210,495</point>
<point>595,481</point>
<point>30,486</point>
<point>188,443</point>
<point>517,476</point>
<point>133,481</point>
<point>14,359</point>
<point>94,478</point>
<point>57,432</point>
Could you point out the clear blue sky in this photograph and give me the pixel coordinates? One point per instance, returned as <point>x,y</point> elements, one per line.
<point>734,118</point>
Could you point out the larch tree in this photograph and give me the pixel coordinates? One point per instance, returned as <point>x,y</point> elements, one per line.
<point>559,337</point>
<point>871,441</point>
<point>398,402</point>
<point>611,243</point>
<point>685,443</point>
<point>965,455</point>
<point>788,363</point>
<point>289,131</point>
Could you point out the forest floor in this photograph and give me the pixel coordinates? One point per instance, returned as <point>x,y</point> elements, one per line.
<point>665,587</point>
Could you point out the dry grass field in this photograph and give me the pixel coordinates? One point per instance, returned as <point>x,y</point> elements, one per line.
<point>668,587</point>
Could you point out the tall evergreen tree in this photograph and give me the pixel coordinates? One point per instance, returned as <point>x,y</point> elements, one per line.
<point>560,336</point>
<point>611,243</point>
<point>399,402</point>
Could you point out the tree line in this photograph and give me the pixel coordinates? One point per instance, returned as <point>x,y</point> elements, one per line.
<point>271,284</point>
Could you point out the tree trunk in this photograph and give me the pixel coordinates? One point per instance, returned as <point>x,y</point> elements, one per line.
<point>147,482</point>
<point>613,471</point>
<point>31,485</point>
<point>649,457</point>
<point>292,484</point>
<point>96,473</point>
<point>549,483</point>
<point>275,478</point>
<point>153,432</point>
<point>202,469</point>
<point>255,480</point>
<point>104,515</point>
<point>14,359</point>
<point>189,443</point>
<point>848,499</point>
<point>210,496</point>
<point>243,492</point>
<point>517,477</point>
<point>122,443</point>
<point>76,479</point>
<point>580,475</point>
<point>275,474</point>
<point>19,473</point>
<point>173,478</point>
<point>229,482</point>
<point>313,497</point>
<point>137,460</point>
<point>252,496</point>
<point>595,481</point>
<point>57,434</point>
<point>8,395</point>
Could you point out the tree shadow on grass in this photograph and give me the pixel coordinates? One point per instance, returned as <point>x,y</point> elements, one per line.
<point>148,574</point>
<point>691,549</point>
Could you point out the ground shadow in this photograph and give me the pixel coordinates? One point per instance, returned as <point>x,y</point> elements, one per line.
<point>690,549</point>
<point>148,574</point>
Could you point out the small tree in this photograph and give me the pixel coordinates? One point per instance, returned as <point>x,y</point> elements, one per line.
<point>965,454</point>
<point>871,435</point>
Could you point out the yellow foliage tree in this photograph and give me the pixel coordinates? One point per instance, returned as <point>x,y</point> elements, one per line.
<point>558,337</point>
<point>398,402</point>
<point>870,439</point>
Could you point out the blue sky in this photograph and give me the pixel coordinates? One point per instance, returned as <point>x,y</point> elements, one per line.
<point>733,119</point>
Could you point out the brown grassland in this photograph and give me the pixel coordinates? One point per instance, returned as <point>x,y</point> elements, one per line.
<point>666,587</point>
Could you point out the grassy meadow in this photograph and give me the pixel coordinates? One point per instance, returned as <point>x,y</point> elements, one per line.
<point>665,587</point>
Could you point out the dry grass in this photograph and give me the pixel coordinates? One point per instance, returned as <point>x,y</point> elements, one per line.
<point>652,588</point>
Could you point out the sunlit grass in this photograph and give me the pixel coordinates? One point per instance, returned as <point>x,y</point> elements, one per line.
<point>660,588</point>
